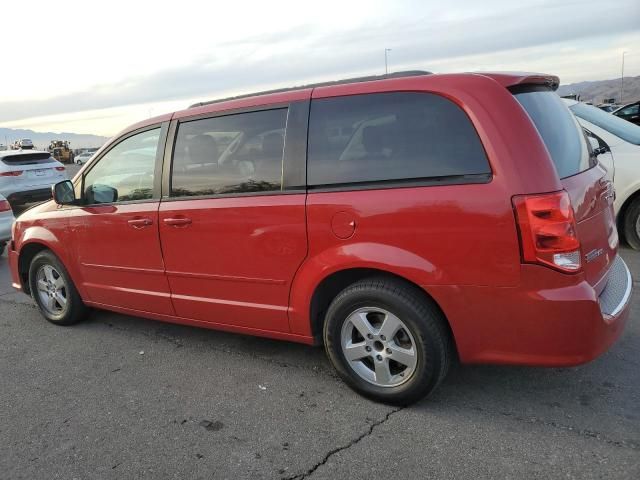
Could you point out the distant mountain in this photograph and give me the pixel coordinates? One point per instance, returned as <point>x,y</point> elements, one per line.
<point>597,91</point>
<point>41,139</point>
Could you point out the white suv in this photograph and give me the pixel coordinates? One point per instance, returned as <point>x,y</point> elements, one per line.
<point>623,162</point>
<point>6,220</point>
<point>27,175</point>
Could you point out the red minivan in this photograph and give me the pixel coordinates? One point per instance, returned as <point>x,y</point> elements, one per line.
<point>402,221</point>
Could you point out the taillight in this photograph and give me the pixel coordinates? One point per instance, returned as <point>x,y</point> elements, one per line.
<point>60,169</point>
<point>4,206</point>
<point>15,173</point>
<point>548,230</point>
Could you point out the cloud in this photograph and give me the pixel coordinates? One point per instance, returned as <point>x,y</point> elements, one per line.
<point>311,51</point>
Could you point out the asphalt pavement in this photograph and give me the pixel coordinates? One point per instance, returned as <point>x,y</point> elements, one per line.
<point>120,397</point>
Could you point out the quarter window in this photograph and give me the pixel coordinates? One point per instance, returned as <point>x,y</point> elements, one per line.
<point>126,172</point>
<point>238,153</point>
<point>391,136</point>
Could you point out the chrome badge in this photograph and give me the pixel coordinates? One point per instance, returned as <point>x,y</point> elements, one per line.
<point>593,254</point>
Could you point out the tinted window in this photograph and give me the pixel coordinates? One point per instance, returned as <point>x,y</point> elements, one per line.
<point>126,171</point>
<point>231,154</point>
<point>630,110</point>
<point>391,136</point>
<point>559,130</point>
<point>612,124</point>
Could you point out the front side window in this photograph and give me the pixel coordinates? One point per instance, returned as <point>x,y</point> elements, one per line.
<point>124,173</point>
<point>239,153</point>
<point>391,136</point>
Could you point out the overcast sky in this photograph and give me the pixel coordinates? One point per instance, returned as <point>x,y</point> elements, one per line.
<point>95,67</point>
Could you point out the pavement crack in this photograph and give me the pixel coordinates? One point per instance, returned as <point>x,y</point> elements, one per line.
<point>336,450</point>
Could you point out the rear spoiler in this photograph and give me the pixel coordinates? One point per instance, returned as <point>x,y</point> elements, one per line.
<point>520,80</point>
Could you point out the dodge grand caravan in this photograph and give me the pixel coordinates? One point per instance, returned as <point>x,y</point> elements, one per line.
<point>401,221</point>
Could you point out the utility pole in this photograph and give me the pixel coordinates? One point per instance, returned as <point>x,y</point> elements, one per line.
<point>386,63</point>
<point>622,77</point>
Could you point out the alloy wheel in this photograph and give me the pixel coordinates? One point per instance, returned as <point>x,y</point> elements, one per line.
<point>52,290</point>
<point>379,347</point>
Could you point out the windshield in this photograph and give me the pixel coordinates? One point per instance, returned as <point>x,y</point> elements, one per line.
<point>612,124</point>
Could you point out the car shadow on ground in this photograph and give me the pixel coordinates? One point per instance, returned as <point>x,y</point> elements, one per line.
<point>508,390</point>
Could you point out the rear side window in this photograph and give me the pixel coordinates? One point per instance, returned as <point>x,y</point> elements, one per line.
<point>391,136</point>
<point>238,153</point>
<point>559,130</point>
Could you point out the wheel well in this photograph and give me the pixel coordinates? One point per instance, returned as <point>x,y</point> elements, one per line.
<point>331,286</point>
<point>623,212</point>
<point>24,262</point>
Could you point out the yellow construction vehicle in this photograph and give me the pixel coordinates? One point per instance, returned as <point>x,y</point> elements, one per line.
<point>60,150</point>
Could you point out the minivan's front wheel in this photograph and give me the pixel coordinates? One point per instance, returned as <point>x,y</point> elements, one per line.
<point>53,291</point>
<point>387,341</point>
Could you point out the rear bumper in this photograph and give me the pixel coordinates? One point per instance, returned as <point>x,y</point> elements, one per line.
<point>549,320</point>
<point>6,220</point>
<point>28,196</point>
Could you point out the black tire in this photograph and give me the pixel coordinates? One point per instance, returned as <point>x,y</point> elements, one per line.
<point>74,310</point>
<point>420,315</point>
<point>629,224</point>
<point>3,245</point>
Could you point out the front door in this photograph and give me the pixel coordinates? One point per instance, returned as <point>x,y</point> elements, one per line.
<point>115,230</point>
<point>232,239</point>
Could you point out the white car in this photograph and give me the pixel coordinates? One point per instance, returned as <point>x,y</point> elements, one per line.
<point>623,140</point>
<point>27,175</point>
<point>6,221</point>
<point>84,157</point>
<point>26,144</point>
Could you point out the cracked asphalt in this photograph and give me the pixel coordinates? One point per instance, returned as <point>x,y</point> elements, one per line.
<point>120,397</point>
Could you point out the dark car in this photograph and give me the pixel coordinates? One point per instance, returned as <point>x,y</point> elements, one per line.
<point>630,112</point>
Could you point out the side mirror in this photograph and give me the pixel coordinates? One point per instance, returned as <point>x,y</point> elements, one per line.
<point>63,193</point>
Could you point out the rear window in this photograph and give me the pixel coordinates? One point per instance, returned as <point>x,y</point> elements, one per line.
<point>391,136</point>
<point>27,158</point>
<point>559,130</point>
<point>612,124</point>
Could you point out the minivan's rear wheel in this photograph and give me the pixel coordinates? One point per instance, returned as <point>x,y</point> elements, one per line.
<point>53,291</point>
<point>387,340</point>
<point>631,224</point>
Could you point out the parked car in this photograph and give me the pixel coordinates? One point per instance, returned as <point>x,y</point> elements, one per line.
<point>464,217</point>
<point>621,156</point>
<point>83,158</point>
<point>608,107</point>
<point>630,112</point>
<point>6,221</point>
<point>26,144</point>
<point>27,175</point>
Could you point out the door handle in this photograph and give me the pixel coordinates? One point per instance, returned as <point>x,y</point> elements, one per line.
<point>140,222</point>
<point>177,222</point>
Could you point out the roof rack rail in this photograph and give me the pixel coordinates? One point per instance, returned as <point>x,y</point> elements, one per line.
<point>370,78</point>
